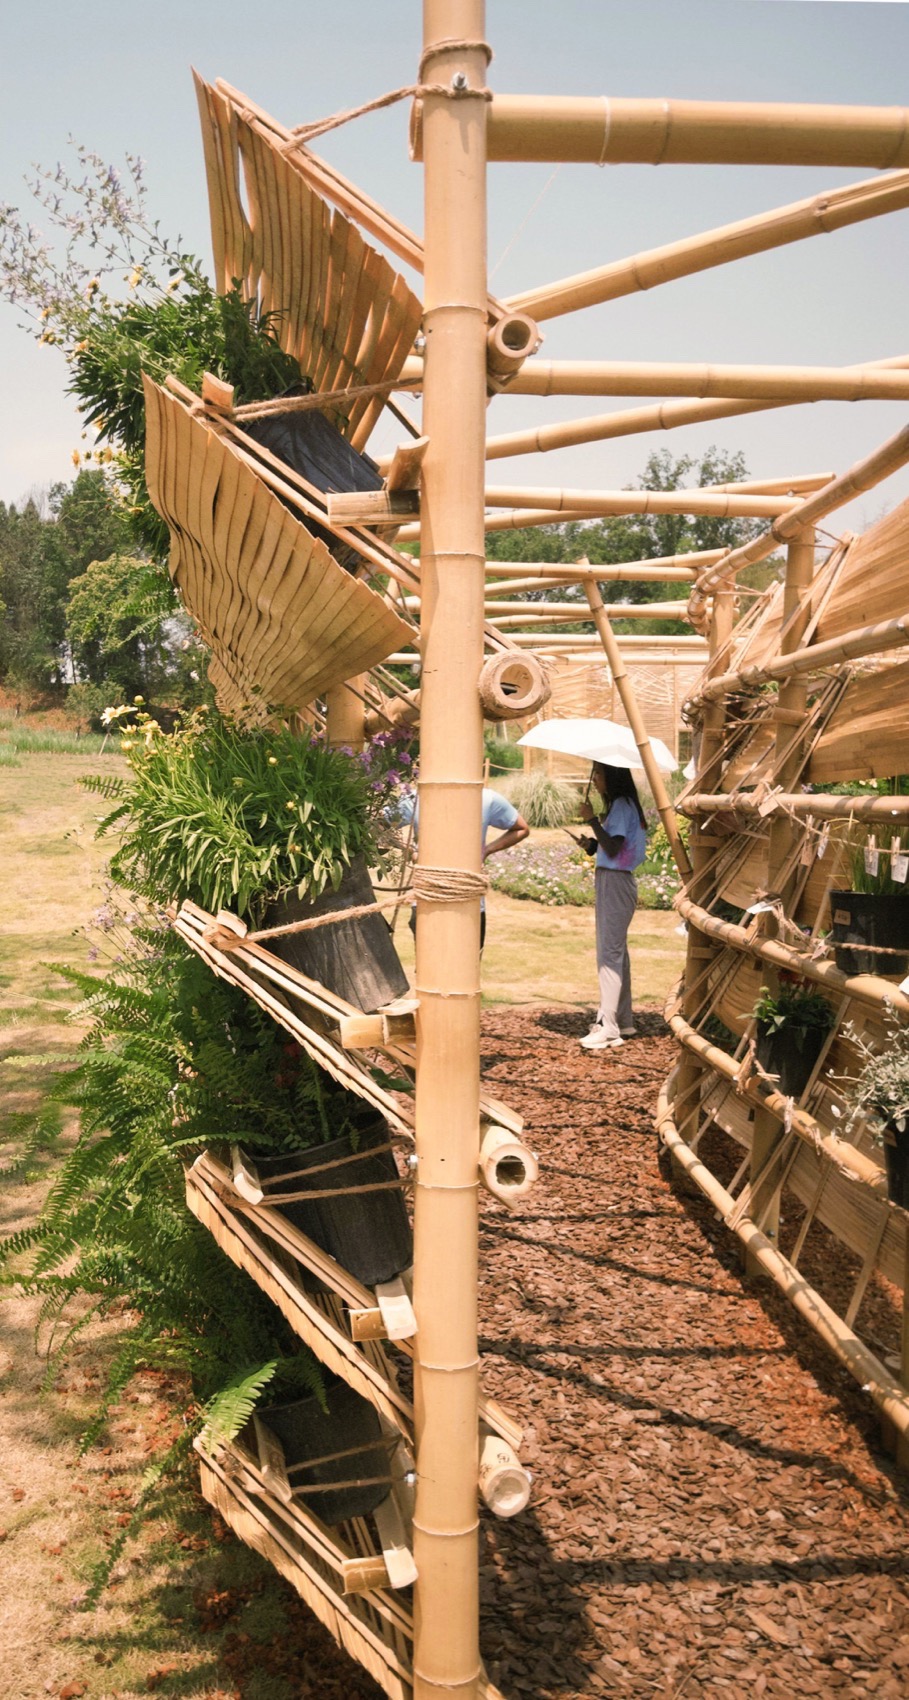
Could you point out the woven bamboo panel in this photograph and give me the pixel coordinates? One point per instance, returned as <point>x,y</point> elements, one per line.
<point>867,736</point>
<point>745,873</point>
<point>851,1212</point>
<point>739,994</point>
<point>826,875</point>
<point>283,619</point>
<point>345,314</point>
<point>585,690</point>
<point>873,584</point>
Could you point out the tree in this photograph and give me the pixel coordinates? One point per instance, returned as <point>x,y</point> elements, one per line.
<point>633,537</point>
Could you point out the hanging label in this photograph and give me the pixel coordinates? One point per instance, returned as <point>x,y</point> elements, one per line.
<point>807,855</point>
<point>872,856</point>
<point>823,841</point>
<point>904,985</point>
<point>767,804</point>
<point>899,868</point>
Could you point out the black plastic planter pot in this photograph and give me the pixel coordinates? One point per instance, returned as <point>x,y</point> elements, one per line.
<point>305,1430</point>
<point>896,1155</point>
<point>355,959</point>
<point>368,1233</point>
<point>860,918</point>
<point>779,1052</point>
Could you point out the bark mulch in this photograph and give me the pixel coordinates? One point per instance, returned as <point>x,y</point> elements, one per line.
<point>712,1511</point>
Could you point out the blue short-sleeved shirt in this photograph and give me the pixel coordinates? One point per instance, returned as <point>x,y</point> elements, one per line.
<point>623,821</point>
<point>497,812</point>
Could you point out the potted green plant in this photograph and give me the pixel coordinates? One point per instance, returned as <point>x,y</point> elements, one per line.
<point>879,1095</point>
<point>272,825</point>
<point>792,1025</point>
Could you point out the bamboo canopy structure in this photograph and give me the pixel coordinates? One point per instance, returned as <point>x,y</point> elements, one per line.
<point>309,598</point>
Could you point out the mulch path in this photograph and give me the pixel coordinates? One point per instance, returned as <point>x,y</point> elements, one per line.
<point>712,1512</point>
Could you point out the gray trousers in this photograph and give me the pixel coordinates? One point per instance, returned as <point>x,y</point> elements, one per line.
<point>616,898</point>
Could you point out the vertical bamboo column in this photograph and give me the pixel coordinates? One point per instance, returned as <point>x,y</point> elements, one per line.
<point>446,1603</point>
<point>345,715</point>
<point>765,1205</point>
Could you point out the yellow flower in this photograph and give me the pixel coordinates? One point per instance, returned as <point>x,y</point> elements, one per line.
<point>76,458</point>
<point>93,287</point>
<point>290,805</point>
<point>127,744</point>
<point>134,277</point>
<point>138,701</point>
<point>80,348</point>
<point>272,761</point>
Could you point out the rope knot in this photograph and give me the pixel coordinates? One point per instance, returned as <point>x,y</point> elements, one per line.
<point>448,885</point>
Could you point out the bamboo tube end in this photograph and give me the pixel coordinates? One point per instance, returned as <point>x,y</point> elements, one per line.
<point>512,686</point>
<point>507,1168</point>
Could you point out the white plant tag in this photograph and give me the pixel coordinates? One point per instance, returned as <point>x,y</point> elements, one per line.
<point>899,868</point>
<point>823,841</point>
<point>767,804</point>
<point>904,985</point>
<point>872,856</point>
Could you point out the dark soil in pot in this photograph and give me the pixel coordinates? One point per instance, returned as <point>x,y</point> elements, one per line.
<point>896,1156</point>
<point>356,960</point>
<point>778,1051</point>
<point>368,1233</point>
<point>305,1430</point>
<point>861,918</point>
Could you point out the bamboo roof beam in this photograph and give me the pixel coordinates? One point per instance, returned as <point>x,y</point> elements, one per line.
<point>867,640</point>
<point>822,805</point>
<point>816,216</point>
<point>632,421</point>
<point>671,569</point>
<point>557,507</point>
<point>536,613</point>
<point>737,383</point>
<point>601,130</point>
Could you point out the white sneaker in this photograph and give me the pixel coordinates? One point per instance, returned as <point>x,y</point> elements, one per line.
<point>597,1040</point>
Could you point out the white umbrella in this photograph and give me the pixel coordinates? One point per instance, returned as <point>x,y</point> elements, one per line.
<point>595,740</point>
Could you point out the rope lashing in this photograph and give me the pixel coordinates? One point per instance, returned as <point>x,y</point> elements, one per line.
<point>430,885</point>
<point>387,1446</point>
<point>321,1168</point>
<point>319,399</point>
<point>301,134</point>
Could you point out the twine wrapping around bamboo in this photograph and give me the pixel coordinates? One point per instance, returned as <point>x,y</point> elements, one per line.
<point>430,885</point>
<point>303,133</point>
<point>336,1163</point>
<point>387,1446</point>
<point>315,400</point>
<point>279,1198</point>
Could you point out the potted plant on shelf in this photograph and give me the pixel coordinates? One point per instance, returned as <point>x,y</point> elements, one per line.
<point>271,825</point>
<point>792,1026</point>
<point>879,1095</point>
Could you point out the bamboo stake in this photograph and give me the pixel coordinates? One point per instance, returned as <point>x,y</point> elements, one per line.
<point>633,714</point>
<point>737,383</point>
<point>601,130</point>
<point>445,1527</point>
<point>813,217</point>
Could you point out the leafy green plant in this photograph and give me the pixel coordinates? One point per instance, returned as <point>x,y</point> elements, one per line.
<point>542,801</point>
<point>796,1008</point>
<point>880,1090</point>
<point>234,818</point>
<point>501,753</point>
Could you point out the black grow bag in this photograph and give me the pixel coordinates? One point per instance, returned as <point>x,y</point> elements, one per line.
<point>315,448</point>
<point>368,1233</point>
<point>357,959</point>
<point>861,918</point>
<point>779,1051</point>
<point>305,1430</point>
<point>896,1156</point>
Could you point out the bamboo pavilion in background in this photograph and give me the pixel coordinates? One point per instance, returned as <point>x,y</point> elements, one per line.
<point>308,602</point>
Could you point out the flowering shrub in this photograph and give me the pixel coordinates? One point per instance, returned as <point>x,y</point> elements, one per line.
<point>552,874</point>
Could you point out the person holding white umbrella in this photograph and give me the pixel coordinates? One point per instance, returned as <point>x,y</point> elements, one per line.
<point>621,836</point>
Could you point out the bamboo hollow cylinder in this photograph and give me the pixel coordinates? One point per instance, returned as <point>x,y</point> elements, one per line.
<point>509,342</point>
<point>507,1168</point>
<point>504,1482</point>
<point>601,130</point>
<point>513,685</point>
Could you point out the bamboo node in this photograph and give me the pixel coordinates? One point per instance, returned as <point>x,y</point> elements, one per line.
<point>512,686</point>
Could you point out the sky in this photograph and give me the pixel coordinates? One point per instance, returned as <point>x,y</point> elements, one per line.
<point>116,77</point>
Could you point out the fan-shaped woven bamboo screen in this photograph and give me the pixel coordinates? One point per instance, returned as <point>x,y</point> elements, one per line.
<point>345,314</point>
<point>283,620</point>
<point>583,690</point>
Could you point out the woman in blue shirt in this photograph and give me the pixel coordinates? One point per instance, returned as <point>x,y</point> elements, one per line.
<point>621,835</point>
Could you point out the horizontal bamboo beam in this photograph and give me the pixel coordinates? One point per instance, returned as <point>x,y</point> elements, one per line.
<point>871,1374</point>
<point>868,989</point>
<point>815,216</point>
<point>600,130</point>
<point>507,613</point>
<point>671,569</point>
<point>866,640</point>
<point>801,485</point>
<point>822,805</point>
<point>509,587</point>
<point>703,500</point>
<point>698,378</point>
<point>633,421</point>
<point>862,476</point>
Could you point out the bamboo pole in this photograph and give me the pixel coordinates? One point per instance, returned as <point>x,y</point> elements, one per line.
<point>631,421</point>
<point>534,612</point>
<point>345,714</point>
<point>664,569</point>
<point>823,806</point>
<point>635,720</point>
<point>863,475</point>
<point>702,500</point>
<point>868,640</point>
<point>737,383</point>
<point>815,216</point>
<point>601,130</point>
<point>445,1527</point>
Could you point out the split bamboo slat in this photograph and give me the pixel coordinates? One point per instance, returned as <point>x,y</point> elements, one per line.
<point>872,581</point>
<point>283,619</point>
<point>867,736</point>
<point>342,311</point>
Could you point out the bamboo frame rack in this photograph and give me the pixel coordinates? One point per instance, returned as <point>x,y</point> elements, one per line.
<point>807,686</point>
